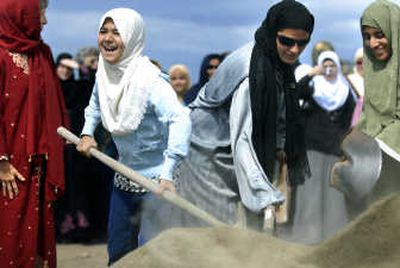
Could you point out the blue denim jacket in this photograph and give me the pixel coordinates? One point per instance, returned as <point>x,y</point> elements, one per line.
<point>162,138</point>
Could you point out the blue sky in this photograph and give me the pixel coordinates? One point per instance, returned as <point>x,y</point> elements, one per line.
<point>183,31</point>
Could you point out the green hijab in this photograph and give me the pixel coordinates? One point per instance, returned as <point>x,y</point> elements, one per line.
<point>381,116</point>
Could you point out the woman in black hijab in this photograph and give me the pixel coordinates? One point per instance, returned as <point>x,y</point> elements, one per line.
<point>208,66</point>
<point>244,115</point>
<point>271,78</point>
<point>72,210</point>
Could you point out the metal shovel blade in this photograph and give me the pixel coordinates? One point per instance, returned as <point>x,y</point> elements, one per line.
<point>357,173</point>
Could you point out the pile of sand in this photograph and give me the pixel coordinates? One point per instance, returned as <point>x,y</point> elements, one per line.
<point>372,240</point>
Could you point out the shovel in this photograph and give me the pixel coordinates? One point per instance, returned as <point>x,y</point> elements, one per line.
<point>142,181</point>
<point>357,173</point>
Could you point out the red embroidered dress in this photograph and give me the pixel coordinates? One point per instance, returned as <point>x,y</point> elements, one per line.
<point>31,109</point>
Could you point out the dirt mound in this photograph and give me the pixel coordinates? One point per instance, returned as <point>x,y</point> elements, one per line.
<point>373,240</point>
<point>211,247</point>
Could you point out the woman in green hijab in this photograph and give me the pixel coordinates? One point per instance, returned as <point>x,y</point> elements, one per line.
<point>380,27</point>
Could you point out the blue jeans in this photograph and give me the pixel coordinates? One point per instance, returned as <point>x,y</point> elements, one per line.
<point>124,223</point>
<point>133,220</point>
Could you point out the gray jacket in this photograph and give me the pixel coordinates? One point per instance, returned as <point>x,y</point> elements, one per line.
<point>222,117</point>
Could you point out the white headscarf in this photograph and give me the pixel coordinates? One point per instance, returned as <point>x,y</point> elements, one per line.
<point>356,79</point>
<point>123,87</point>
<point>330,95</point>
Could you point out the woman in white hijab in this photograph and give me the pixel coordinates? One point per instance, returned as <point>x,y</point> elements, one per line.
<point>320,210</point>
<point>147,123</point>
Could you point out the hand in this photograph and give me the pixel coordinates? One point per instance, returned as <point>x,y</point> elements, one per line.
<point>317,70</point>
<point>8,176</point>
<point>70,63</point>
<point>85,144</point>
<point>166,185</point>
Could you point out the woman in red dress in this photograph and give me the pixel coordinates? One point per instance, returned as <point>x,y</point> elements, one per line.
<point>31,153</point>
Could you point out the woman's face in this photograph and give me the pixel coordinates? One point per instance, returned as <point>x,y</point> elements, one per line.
<point>376,43</point>
<point>43,18</point>
<point>179,82</point>
<point>64,72</point>
<point>212,67</point>
<point>91,61</point>
<point>330,70</point>
<point>110,42</point>
<point>290,43</point>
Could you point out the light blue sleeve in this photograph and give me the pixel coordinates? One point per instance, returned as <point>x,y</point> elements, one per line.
<point>170,111</point>
<point>92,114</point>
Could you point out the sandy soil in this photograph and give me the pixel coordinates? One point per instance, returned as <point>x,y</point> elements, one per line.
<point>76,255</point>
<point>371,241</point>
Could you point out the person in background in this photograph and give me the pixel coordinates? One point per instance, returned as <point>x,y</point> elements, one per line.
<point>180,80</point>
<point>72,217</point>
<point>74,93</point>
<point>319,209</point>
<point>65,66</point>
<point>31,153</point>
<point>208,67</point>
<point>356,80</point>
<point>88,58</point>
<point>303,69</point>
<point>147,123</point>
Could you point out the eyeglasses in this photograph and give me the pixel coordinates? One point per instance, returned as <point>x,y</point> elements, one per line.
<point>290,42</point>
<point>359,62</point>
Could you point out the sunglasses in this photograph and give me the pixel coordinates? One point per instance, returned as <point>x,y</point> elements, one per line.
<point>290,42</point>
<point>212,66</point>
<point>359,62</point>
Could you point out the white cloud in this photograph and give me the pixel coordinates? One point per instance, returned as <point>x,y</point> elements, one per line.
<point>68,31</point>
<point>194,37</point>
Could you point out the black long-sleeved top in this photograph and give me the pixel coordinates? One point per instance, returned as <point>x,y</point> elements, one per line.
<point>324,130</point>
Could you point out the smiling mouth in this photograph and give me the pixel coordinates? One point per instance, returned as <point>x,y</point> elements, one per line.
<point>109,49</point>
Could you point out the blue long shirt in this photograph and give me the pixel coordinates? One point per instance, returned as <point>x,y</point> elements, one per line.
<point>162,138</point>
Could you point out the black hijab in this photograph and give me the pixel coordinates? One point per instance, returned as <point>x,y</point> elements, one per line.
<point>203,78</point>
<point>266,69</point>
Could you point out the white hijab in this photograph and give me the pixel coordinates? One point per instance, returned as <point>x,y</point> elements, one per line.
<point>330,95</point>
<point>356,79</point>
<point>123,87</point>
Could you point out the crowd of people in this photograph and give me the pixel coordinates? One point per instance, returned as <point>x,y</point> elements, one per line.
<point>253,141</point>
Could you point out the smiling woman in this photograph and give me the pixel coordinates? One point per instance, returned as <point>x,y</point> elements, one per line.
<point>380,26</point>
<point>290,43</point>
<point>147,123</point>
<point>110,42</point>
